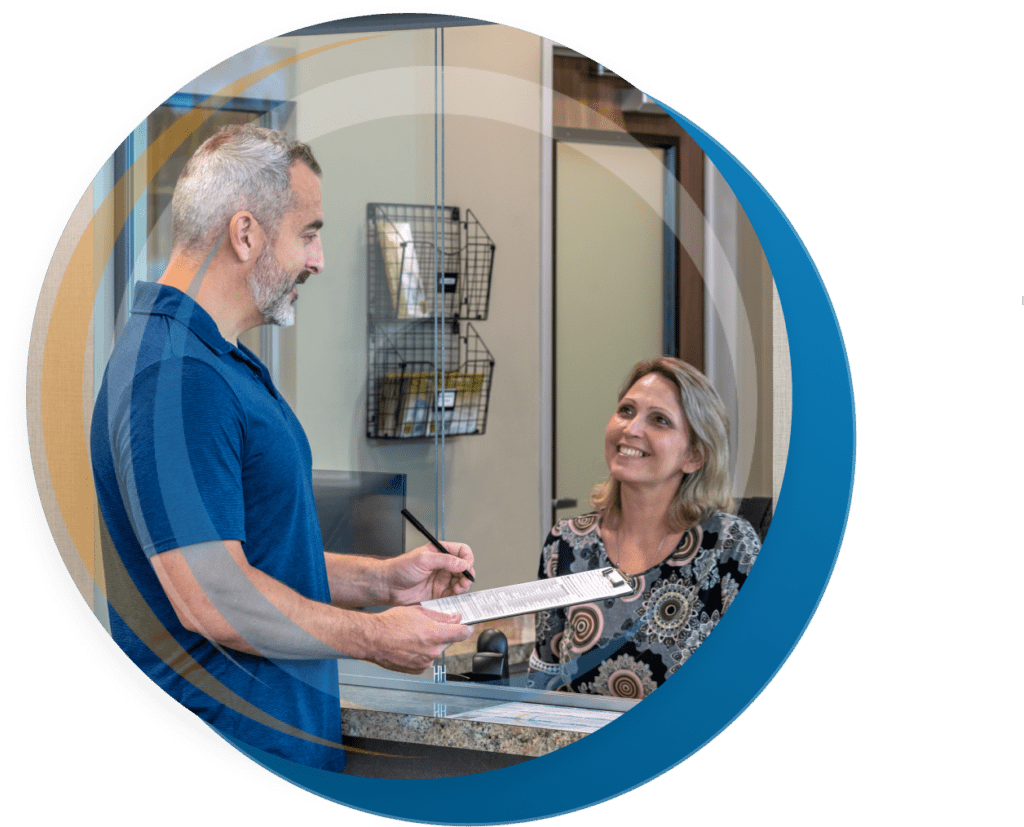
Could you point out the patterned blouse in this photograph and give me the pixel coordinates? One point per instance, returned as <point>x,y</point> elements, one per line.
<point>628,646</point>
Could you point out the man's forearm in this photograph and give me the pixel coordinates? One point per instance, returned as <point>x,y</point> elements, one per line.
<point>240,607</point>
<point>356,580</point>
<point>405,580</point>
<point>216,593</point>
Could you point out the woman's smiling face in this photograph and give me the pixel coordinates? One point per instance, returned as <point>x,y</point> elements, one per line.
<point>647,441</point>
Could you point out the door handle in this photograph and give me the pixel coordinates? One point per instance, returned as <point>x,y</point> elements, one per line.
<point>564,502</point>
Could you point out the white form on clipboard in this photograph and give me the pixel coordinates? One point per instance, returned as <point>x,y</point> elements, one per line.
<point>523,598</point>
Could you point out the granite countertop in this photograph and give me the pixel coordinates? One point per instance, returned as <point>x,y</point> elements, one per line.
<point>511,727</point>
<point>506,722</point>
<point>454,732</point>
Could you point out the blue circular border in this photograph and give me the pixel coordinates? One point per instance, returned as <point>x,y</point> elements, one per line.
<point>753,639</point>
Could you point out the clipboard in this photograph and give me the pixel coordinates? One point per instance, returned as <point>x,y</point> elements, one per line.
<point>523,598</point>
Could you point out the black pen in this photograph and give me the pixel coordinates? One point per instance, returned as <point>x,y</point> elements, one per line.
<point>433,540</point>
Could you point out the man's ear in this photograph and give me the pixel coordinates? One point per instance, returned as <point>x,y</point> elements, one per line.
<point>245,235</point>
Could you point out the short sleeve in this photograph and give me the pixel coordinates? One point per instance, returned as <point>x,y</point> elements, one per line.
<point>742,545</point>
<point>177,438</point>
<point>738,547</point>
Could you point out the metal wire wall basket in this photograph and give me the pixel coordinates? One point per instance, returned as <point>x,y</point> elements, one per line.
<point>412,396</point>
<point>429,272</point>
<point>418,267</point>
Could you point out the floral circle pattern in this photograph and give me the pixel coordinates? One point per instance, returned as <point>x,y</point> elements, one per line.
<point>630,645</point>
<point>583,524</point>
<point>688,547</point>
<point>586,624</point>
<point>671,608</point>
<point>624,677</point>
<point>638,583</point>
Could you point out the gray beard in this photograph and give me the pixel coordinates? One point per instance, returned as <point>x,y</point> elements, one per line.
<point>270,297</point>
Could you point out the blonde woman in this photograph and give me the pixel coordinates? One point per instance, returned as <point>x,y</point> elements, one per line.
<point>663,518</point>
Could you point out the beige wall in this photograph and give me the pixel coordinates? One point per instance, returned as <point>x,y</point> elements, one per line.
<point>373,133</point>
<point>608,299</point>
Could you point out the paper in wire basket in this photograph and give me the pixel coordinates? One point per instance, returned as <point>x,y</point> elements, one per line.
<point>408,298</point>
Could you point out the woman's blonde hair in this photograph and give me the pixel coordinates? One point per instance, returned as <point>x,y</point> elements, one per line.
<point>708,489</point>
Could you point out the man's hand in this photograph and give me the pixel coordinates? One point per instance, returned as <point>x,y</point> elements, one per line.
<point>411,638</point>
<point>425,574</point>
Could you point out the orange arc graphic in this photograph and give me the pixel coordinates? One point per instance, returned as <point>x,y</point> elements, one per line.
<point>63,368</point>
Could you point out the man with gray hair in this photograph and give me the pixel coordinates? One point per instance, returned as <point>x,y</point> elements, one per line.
<point>220,588</point>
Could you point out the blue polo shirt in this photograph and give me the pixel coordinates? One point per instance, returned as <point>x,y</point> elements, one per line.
<point>191,443</point>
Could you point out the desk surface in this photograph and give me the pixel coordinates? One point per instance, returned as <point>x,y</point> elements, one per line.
<point>460,721</point>
<point>512,728</point>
